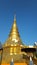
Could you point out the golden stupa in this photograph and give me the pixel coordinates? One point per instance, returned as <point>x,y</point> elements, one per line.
<point>12,49</point>
<point>12,46</point>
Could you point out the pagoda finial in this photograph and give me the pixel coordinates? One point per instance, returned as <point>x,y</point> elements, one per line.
<point>15,17</point>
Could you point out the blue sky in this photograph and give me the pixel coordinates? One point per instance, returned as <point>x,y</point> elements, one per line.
<point>26,15</point>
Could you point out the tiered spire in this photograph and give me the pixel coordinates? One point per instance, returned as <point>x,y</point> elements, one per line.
<point>14,34</point>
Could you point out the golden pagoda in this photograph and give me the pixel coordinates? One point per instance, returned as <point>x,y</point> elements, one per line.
<point>13,48</point>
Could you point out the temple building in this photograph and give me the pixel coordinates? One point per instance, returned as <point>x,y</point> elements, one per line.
<point>14,49</point>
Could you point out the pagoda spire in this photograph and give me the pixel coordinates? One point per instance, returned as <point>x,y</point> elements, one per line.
<point>14,18</point>
<point>14,34</point>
